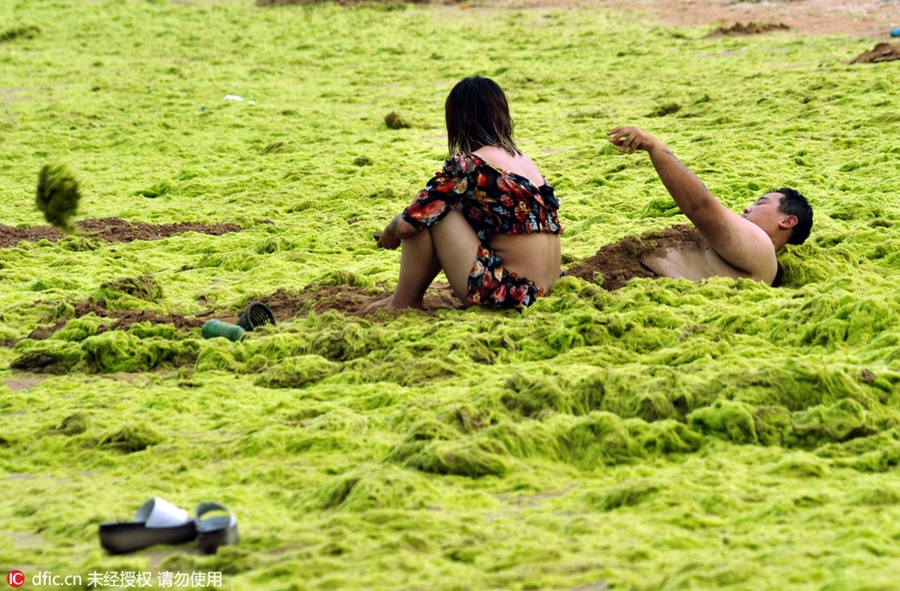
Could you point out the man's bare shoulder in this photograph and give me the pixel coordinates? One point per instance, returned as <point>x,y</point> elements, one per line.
<point>741,245</point>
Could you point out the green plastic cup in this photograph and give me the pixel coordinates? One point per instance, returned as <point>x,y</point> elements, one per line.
<point>217,328</point>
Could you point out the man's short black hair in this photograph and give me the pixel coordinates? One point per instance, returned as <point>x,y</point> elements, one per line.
<point>793,203</point>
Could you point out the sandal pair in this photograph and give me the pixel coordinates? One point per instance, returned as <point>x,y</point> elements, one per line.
<point>161,522</point>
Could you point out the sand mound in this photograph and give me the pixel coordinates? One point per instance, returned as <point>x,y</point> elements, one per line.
<point>748,29</point>
<point>883,52</point>
<point>347,299</point>
<point>619,262</point>
<point>112,230</point>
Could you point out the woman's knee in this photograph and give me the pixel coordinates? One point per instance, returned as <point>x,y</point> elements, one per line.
<point>456,245</point>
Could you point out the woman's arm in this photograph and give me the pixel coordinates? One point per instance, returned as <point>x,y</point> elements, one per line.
<point>442,193</point>
<point>396,231</point>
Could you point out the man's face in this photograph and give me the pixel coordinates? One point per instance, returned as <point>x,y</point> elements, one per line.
<point>764,213</point>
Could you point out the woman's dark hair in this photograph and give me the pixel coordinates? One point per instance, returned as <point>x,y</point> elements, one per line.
<point>478,115</point>
<point>793,203</point>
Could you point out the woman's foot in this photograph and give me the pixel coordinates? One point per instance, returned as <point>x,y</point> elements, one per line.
<point>390,303</point>
<point>385,303</point>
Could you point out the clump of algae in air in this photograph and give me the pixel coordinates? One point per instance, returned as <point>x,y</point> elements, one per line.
<point>58,194</point>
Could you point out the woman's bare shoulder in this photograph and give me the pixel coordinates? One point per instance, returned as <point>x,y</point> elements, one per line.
<point>519,164</point>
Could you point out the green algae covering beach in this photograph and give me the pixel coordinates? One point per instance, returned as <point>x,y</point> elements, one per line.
<point>666,435</point>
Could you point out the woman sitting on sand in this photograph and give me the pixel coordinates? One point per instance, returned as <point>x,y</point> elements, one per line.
<point>488,219</point>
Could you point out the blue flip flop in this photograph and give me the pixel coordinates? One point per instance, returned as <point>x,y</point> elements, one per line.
<point>895,33</point>
<point>213,532</point>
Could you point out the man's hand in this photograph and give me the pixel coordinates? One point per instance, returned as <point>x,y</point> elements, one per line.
<point>629,139</point>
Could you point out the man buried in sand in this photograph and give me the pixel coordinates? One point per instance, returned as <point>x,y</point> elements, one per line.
<point>721,244</point>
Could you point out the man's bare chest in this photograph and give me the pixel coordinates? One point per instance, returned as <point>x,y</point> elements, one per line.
<point>693,260</point>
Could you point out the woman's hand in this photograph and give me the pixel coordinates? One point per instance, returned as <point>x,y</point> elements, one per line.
<point>630,139</point>
<point>389,239</point>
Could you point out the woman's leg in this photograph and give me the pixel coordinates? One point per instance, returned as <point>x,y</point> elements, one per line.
<point>419,265</point>
<point>450,244</point>
<point>456,245</point>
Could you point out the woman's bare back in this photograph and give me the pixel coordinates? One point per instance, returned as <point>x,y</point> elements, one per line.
<point>535,256</point>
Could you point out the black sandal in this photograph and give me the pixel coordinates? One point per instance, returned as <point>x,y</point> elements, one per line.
<point>156,522</point>
<point>213,532</point>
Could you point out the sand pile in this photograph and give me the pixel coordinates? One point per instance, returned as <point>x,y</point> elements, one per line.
<point>617,263</point>
<point>883,52</point>
<point>748,29</point>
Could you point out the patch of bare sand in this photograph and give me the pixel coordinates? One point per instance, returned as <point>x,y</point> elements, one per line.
<point>285,305</point>
<point>18,383</point>
<point>348,300</point>
<point>112,230</point>
<point>872,19</point>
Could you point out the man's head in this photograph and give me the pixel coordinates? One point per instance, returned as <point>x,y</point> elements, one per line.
<point>795,204</point>
<point>784,214</point>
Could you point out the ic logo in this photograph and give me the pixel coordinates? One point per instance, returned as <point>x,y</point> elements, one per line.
<point>15,578</point>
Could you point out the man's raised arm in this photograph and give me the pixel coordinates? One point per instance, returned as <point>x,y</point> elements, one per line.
<point>743,244</point>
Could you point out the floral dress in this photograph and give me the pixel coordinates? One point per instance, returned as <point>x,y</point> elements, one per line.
<point>494,202</point>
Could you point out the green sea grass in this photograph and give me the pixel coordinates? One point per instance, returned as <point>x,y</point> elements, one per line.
<point>722,435</point>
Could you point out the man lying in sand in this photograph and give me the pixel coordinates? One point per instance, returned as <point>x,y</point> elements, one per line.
<point>725,244</point>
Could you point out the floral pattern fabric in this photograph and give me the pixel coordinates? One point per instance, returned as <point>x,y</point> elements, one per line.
<point>492,200</point>
<point>490,284</point>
